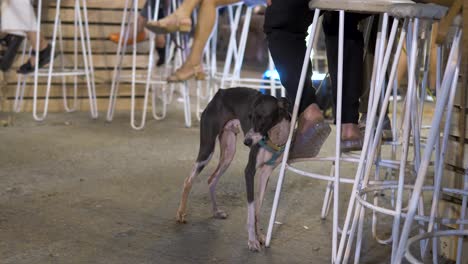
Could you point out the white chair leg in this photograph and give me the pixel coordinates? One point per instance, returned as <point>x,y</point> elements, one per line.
<point>87,65</point>
<point>163,103</point>
<point>92,92</point>
<point>363,171</point>
<point>133,84</point>
<point>232,47</point>
<point>336,191</point>
<point>21,83</point>
<point>187,112</point>
<point>42,116</point>
<point>118,66</point>
<point>64,79</point>
<point>242,45</point>
<point>328,196</point>
<point>421,176</point>
<point>291,131</point>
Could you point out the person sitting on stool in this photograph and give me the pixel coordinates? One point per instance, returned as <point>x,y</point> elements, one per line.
<point>286,24</point>
<point>18,18</point>
<point>146,14</point>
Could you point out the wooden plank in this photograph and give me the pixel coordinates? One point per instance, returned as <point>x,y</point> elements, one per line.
<point>102,75</point>
<point>67,15</point>
<point>464,72</point>
<point>105,17</point>
<point>453,157</point>
<point>102,90</point>
<point>455,124</point>
<point>100,61</point>
<point>100,4</point>
<point>99,46</point>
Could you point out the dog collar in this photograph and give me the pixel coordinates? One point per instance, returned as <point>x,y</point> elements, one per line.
<point>271,147</point>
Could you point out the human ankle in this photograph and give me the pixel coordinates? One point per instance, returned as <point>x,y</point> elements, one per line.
<point>44,44</point>
<point>312,112</point>
<point>350,131</point>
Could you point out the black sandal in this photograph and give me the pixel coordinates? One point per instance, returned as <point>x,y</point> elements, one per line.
<point>12,44</point>
<point>45,56</point>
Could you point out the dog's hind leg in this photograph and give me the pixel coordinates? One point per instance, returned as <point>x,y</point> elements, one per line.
<point>196,169</point>
<point>227,142</point>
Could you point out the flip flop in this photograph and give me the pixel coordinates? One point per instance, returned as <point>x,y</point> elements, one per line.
<point>308,144</point>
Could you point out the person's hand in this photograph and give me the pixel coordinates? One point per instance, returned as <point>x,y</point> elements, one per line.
<point>269,2</point>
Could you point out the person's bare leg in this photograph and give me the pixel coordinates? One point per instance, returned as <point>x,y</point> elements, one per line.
<point>32,37</point>
<point>207,17</point>
<point>160,41</point>
<point>180,20</point>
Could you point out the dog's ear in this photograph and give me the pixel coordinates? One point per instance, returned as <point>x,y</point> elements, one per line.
<point>283,103</point>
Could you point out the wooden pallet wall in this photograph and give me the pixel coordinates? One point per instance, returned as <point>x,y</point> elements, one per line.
<point>105,17</point>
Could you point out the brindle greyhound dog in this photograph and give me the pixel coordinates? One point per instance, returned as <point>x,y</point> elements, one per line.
<point>265,122</point>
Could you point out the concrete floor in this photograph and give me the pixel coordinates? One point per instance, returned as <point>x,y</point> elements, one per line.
<point>75,190</point>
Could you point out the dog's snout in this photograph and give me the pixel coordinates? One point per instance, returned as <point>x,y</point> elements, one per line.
<point>248,142</point>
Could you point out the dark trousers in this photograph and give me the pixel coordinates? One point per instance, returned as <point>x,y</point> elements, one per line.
<point>286,23</point>
<point>148,9</point>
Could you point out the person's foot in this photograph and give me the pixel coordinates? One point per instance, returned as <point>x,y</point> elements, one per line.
<point>172,23</point>
<point>187,72</point>
<point>45,56</point>
<point>115,37</point>
<point>311,133</point>
<point>387,134</point>
<point>12,44</point>
<point>351,137</point>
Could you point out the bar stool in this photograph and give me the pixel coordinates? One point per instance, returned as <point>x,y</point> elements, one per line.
<point>150,80</point>
<point>81,29</point>
<point>231,74</point>
<point>381,62</point>
<point>362,188</point>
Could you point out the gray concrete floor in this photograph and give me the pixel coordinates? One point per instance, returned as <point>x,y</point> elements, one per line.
<point>76,190</point>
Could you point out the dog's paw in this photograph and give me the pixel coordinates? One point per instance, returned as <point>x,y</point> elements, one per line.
<point>180,217</point>
<point>261,238</point>
<point>220,214</point>
<point>254,245</point>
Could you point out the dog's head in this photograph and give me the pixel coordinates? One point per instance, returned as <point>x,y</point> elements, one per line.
<point>267,111</point>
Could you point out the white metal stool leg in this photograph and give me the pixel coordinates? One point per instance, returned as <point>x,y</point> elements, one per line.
<point>87,58</point>
<point>234,19</point>
<point>367,151</point>
<point>291,132</point>
<point>64,80</point>
<point>91,80</point>
<point>118,66</point>
<point>51,65</point>
<point>21,83</point>
<point>447,81</point>
<point>80,24</point>
<point>149,82</point>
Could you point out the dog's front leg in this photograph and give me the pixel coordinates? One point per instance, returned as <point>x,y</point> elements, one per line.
<point>264,175</point>
<point>250,170</point>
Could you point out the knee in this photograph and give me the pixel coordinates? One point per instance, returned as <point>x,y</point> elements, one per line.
<point>211,3</point>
